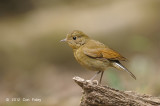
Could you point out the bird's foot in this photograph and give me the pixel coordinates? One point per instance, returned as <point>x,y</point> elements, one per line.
<point>93,82</point>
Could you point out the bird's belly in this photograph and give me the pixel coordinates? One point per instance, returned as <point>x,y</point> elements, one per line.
<point>91,63</point>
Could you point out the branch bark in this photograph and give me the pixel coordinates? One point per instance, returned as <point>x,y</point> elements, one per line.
<point>98,95</point>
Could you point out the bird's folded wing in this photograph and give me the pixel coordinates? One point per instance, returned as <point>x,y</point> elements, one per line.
<point>105,53</point>
<point>95,53</point>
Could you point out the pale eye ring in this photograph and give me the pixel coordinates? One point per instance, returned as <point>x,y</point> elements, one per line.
<point>74,38</point>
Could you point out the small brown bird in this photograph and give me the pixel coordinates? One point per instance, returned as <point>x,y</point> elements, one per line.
<point>94,55</point>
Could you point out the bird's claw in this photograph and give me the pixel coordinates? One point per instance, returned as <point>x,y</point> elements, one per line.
<point>93,82</point>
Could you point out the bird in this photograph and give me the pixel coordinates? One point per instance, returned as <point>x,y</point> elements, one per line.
<point>94,55</point>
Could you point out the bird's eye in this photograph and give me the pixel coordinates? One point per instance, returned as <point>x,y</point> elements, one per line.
<point>74,38</point>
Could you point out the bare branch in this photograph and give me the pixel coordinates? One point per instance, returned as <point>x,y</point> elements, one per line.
<point>98,95</point>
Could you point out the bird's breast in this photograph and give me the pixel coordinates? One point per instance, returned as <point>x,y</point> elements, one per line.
<point>89,62</point>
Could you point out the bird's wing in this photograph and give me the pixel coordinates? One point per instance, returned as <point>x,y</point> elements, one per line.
<point>102,51</point>
<point>112,55</point>
<point>95,53</point>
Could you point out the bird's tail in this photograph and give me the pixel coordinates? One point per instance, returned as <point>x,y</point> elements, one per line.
<point>119,66</point>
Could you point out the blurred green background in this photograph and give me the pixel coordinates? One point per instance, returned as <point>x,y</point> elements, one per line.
<point>34,64</point>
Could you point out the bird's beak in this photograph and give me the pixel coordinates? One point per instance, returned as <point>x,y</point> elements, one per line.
<point>64,40</point>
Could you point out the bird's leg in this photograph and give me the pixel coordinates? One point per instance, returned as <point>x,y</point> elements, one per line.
<point>101,77</point>
<point>95,75</point>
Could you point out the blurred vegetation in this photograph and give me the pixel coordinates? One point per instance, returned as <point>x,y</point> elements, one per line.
<point>34,63</point>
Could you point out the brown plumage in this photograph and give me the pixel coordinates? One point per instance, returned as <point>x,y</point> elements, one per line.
<point>93,54</point>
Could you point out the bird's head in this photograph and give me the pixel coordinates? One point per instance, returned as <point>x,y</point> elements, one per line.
<point>76,39</point>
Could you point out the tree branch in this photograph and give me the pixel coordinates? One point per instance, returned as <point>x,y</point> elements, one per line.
<point>98,95</point>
